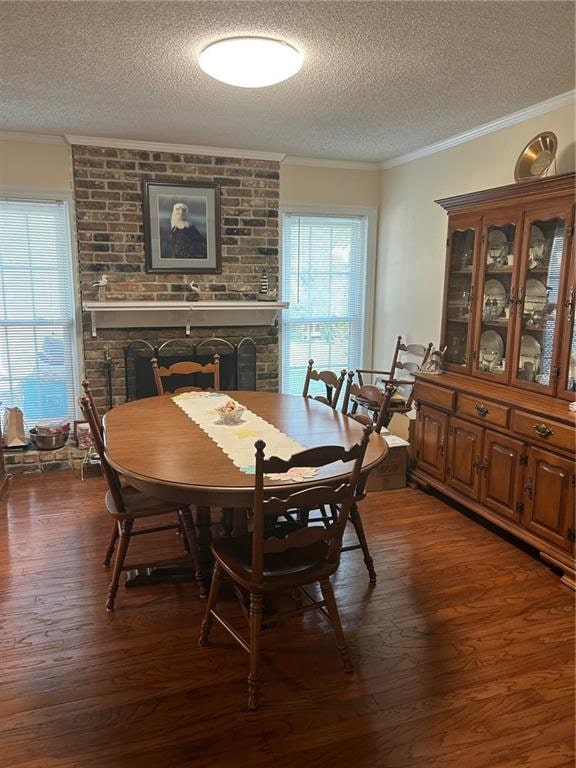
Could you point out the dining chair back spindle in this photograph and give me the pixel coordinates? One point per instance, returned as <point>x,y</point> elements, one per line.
<point>282,555</point>
<point>127,505</point>
<point>185,368</point>
<point>331,381</point>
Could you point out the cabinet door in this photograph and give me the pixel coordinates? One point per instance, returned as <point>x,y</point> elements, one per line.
<point>541,297</point>
<point>549,497</point>
<point>461,266</point>
<point>496,294</point>
<point>501,485</point>
<point>431,448</point>
<point>464,457</point>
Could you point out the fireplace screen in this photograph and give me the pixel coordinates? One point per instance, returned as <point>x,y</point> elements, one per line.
<point>237,364</point>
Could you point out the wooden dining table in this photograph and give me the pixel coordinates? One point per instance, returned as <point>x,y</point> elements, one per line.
<point>161,451</point>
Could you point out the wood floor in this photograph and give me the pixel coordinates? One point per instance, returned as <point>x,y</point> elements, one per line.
<point>463,652</point>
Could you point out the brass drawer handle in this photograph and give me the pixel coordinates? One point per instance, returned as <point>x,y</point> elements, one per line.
<point>543,430</point>
<point>481,409</point>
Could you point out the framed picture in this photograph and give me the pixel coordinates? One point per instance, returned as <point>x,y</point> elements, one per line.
<point>182,227</point>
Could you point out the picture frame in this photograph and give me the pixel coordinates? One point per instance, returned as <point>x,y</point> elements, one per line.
<point>182,227</point>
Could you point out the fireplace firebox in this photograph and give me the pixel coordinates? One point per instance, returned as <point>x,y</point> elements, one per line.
<point>237,364</point>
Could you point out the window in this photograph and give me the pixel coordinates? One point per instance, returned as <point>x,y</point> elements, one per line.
<point>38,370</point>
<point>325,277</point>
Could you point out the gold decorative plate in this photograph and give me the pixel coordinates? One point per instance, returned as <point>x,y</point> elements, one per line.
<point>536,157</point>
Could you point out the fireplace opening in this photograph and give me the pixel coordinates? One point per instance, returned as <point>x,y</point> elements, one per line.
<point>237,364</point>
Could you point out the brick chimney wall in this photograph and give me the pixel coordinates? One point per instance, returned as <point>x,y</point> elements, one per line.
<point>108,199</point>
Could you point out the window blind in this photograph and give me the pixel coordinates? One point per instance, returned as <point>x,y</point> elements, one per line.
<point>37,328</point>
<point>324,268</point>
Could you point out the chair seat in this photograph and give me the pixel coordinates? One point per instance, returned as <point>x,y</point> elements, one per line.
<point>297,566</point>
<point>138,505</point>
<point>371,404</point>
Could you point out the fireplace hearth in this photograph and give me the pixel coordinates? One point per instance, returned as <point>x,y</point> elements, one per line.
<point>237,364</point>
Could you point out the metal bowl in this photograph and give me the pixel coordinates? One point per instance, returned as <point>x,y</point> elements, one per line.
<point>48,442</point>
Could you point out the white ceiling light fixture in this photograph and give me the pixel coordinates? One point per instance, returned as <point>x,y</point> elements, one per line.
<point>250,62</point>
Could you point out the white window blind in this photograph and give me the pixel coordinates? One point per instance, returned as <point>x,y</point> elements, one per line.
<point>324,275</point>
<point>37,328</point>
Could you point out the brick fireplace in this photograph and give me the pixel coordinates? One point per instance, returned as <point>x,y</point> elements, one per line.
<point>108,199</point>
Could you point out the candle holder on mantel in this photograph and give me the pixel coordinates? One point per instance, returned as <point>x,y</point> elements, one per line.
<point>265,293</point>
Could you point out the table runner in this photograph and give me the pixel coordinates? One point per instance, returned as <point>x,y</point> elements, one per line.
<point>237,440</point>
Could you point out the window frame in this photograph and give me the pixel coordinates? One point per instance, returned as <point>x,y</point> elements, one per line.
<point>65,196</point>
<point>327,209</point>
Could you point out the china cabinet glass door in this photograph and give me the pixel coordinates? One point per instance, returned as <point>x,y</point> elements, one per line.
<point>462,244</point>
<point>544,255</point>
<point>496,296</point>
<point>568,365</point>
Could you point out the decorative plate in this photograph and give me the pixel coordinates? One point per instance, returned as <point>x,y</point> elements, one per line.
<point>536,157</point>
<point>497,246</point>
<point>491,349</point>
<point>530,354</point>
<point>495,292</point>
<point>537,247</point>
<point>536,296</point>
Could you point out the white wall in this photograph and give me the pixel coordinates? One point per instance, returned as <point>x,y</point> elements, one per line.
<point>317,185</point>
<point>30,166</point>
<point>412,228</point>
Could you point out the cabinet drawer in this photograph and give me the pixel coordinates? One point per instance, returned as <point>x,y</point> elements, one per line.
<point>429,393</point>
<point>484,410</point>
<point>543,430</point>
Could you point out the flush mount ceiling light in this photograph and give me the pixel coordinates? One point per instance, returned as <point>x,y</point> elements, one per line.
<point>250,62</point>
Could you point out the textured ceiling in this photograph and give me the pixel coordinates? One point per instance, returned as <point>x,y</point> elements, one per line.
<point>379,79</point>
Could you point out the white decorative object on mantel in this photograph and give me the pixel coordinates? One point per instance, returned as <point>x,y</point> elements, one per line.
<point>171,314</point>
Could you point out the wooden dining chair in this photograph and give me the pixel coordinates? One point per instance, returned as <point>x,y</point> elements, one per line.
<point>128,505</point>
<point>97,421</point>
<point>185,368</point>
<point>374,399</point>
<point>331,381</point>
<point>286,556</point>
<point>324,513</point>
<point>397,384</point>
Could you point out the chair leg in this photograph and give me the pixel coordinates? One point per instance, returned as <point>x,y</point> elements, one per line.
<point>356,521</point>
<point>182,532</point>
<point>113,539</point>
<point>255,627</point>
<point>126,530</point>
<point>212,600</point>
<point>332,608</point>
<point>192,539</point>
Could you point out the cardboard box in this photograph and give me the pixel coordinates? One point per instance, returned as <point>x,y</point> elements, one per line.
<point>391,474</point>
<point>404,426</point>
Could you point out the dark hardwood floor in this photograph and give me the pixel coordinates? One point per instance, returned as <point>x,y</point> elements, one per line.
<point>463,652</point>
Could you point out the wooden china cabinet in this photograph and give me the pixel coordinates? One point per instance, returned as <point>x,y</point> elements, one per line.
<point>494,430</point>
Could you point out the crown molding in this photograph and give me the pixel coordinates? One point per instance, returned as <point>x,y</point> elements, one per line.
<point>317,162</point>
<point>31,138</point>
<point>557,102</point>
<point>156,146</point>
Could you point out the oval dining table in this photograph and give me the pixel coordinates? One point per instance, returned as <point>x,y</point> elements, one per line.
<point>164,453</point>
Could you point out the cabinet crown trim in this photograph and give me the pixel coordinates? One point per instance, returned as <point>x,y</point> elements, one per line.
<point>536,189</point>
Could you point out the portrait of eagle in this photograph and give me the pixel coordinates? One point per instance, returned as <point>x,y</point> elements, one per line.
<point>187,241</point>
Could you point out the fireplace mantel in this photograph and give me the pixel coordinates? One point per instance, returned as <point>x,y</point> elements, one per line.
<point>172,314</point>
